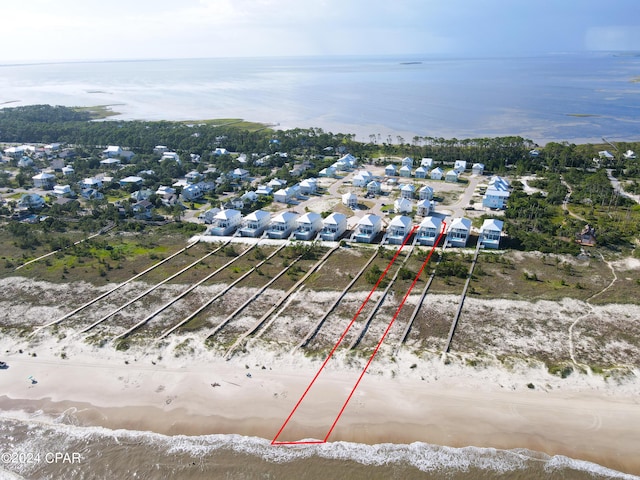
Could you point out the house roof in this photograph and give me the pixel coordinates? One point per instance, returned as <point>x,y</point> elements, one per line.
<point>431,222</point>
<point>408,188</point>
<point>426,188</point>
<point>494,192</point>
<point>452,173</point>
<point>403,202</point>
<point>132,179</point>
<point>43,176</point>
<point>349,196</point>
<point>400,221</point>
<point>437,170</point>
<point>369,220</point>
<point>421,170</point>
<point>334,218</point>
<point>285,217</point>
<point>227,214</point>
<point>492,224</point>
<point>460,224</point>
<point>309,217</point>
<point>257,216</point>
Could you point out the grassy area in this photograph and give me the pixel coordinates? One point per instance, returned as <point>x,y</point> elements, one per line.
<point>230,122</point>
<point>99,112</point>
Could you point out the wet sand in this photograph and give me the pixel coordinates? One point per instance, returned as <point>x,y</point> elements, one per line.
<point>591,425</point>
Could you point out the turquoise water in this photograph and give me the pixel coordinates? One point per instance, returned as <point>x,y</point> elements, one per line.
<point>572,97</point>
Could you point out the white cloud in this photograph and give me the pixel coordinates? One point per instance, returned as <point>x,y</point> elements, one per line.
<point>84,29</point>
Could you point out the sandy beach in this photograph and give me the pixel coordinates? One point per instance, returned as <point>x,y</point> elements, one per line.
<point>582,417</point>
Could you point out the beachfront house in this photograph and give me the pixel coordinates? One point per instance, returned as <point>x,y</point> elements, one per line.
<point>460,166</point>
<point>255,223</point>
<point>308,225</point>
<point>390,170</point>
<point>458,232</point>
<point>425,208</point>
<point>225,222</point>
<point>282,225</point>
<point>427,163</point>
<point>421,172</point>
<point>407,191</point>
<point>350,199</point>
<point>405,171</point>
<point>333,226</point>
<point>44,180</point>
<point>490,233</point>
<point>451,176</point>
<point>437,174</point>
<point>398,229</point>
<point>425,193</point>
<point>403,205</point>
<point>368,228</point>
<point>429,230</point>
<point>477,169</point>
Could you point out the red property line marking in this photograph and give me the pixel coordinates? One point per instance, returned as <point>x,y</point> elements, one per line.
<point>384,335</point>
<point>335,347</point>
<point>344,406</point>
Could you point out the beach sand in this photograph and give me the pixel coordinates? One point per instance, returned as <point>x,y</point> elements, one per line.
<point>585,417</point>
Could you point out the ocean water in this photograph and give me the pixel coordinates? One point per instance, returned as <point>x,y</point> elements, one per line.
<point>44,450</point>
<point>572,97</point>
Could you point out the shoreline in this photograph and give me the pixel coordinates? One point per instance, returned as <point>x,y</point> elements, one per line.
<point>576,422</point>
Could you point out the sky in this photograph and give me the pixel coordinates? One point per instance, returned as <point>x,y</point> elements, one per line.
<point>54,30</point>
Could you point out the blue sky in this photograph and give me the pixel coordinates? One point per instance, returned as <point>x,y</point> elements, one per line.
<point>47,30</point>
